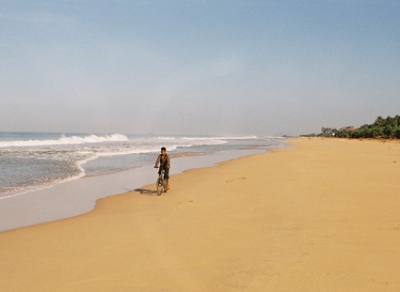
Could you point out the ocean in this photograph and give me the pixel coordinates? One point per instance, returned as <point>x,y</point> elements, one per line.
<point>32,161</point>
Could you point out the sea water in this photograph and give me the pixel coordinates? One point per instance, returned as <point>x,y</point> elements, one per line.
<point>34,161</point>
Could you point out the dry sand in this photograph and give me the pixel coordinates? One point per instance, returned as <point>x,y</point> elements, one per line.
<point>323,215</point>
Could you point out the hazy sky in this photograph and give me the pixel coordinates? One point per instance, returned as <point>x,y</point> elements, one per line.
<point>215,67</point>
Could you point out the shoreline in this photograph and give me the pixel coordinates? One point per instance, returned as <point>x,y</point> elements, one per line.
<point>321,215</point>
<point>65,200</point>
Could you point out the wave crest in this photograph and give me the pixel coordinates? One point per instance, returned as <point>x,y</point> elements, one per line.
<point>66,140</point>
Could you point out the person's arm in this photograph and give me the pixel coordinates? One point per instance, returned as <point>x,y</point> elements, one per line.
<point>157,161</point>
<point>168,162</point>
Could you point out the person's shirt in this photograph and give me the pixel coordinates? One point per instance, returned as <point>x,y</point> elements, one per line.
<point>164,161</point>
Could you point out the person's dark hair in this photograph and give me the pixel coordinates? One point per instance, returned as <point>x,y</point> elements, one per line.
<point>163,148</point>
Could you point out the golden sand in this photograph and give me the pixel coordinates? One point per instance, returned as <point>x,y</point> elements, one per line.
<point>323,215</point>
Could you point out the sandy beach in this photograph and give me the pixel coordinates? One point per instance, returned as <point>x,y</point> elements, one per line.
<point>321,215</point>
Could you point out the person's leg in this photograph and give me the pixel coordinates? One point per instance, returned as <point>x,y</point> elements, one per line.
<point>166,178</point>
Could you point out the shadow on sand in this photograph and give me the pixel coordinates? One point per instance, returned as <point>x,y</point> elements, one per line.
<point>146,192</point>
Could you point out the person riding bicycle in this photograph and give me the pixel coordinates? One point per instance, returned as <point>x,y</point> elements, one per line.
<point>165,164</point>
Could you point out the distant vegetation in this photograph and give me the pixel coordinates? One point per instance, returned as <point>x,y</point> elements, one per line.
<point>382,128</point>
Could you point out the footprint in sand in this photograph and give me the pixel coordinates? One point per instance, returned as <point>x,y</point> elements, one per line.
<point>188,202</point>
<point>236,179</point>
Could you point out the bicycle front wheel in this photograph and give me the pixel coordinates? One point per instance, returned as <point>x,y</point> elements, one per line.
<point>160,187</point>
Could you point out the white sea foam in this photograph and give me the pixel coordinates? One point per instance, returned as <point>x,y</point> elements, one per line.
<point>64,140</point>
<point>222,138</point>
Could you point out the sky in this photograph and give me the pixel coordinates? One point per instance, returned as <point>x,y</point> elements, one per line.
<point>198,67</point>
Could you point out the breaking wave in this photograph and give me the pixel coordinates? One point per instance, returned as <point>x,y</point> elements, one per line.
<point>65,140</point>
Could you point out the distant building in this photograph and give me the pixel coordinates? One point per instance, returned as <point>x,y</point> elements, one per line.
<point>349,128</point>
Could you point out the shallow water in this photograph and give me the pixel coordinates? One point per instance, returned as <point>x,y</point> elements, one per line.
<point>34,161</point>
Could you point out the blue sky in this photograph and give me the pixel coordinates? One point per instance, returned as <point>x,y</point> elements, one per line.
<point>197,67</point>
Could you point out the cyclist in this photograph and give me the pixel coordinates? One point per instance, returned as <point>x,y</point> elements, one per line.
<point>165,164</point>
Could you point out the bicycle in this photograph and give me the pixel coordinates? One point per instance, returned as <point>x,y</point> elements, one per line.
<point>160,183</point>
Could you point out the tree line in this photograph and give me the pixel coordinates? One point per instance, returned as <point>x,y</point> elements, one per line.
<point>383,128</point>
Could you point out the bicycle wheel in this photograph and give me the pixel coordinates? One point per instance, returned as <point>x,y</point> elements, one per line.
<point>160,186</point>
